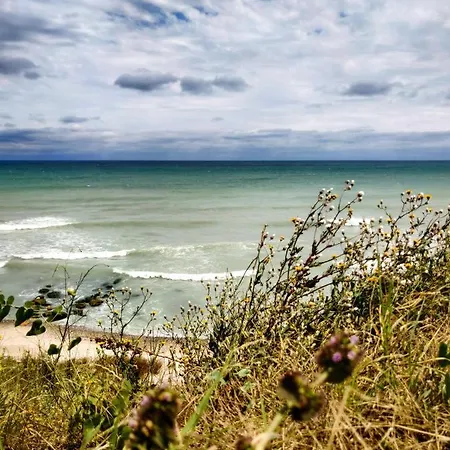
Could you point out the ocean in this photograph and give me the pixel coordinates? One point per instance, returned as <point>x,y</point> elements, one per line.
<point>168,225</point>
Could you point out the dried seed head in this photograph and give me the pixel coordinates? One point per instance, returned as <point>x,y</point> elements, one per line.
<point>303,402</point>
<point>244,443</point>
<point>153,422</point>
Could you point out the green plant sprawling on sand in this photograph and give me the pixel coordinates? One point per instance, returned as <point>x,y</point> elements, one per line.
<point>338,337</point>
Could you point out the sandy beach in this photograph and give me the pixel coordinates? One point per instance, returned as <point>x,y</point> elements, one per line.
<point>14,343</point>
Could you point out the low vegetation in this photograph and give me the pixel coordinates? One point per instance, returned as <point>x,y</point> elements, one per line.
<point>338,338</point>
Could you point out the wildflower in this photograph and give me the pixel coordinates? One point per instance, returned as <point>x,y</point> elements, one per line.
<point>72,292</point>
<point>428,197</point>
<point>408,192</point>
<point>303,402</point>
<point>153,423</point>
<point>339,356</point>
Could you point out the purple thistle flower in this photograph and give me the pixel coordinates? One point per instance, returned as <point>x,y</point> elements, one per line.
<point>333,340</point>
<point>339,356</point>
<point>146,401</point>
<point>132,423</point>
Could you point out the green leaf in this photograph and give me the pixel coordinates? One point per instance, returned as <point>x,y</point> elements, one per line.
<point>243,373</point>
<point>216,377</point>
<point>4,311</point>
<point>36,328</point>
<point>10,300</point>
<point>56,315</point>
<point>443,355</point>
<point>2,299</point>
<point>447,387</point>
<point>22,315</point>
<point>28,304</point>
<point>91,428</point>
<point>120,403</point>
<point>74,343</point>
<point>53,350</point>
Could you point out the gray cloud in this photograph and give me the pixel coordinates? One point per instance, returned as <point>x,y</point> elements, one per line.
<point>145,81</point>
<point>76,119</point>
<point>32,75</point>
<point>198,86</point>
<point>262,144</point>
<point>9,125</point>
<point>5,116</point>
<point>367,89</point>
<point>37,118</point>
<point>232,84</point>
<point>195,86</point>
<point>14,66</point>
<point>21,27</point>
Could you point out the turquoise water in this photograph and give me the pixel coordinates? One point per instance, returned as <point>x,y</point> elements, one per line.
<point>166,226</point>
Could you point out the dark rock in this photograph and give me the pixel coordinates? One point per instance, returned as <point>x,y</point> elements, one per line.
<point>43,290</point>
<point>79,312</point>
<point>117,280</point>
<point>40,301</point>
<point>96,301</point>
<point>81,304</point>
<point>109,286</point>
<point>54,294</point>
<point>48,285</point>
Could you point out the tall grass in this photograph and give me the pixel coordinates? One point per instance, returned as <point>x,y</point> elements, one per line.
<point>271,350</point>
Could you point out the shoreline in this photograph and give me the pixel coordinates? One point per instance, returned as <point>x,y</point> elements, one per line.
<point>14,342</point>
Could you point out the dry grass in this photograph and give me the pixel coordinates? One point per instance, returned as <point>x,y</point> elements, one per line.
<point>394,400</point>
<point>390,288</point>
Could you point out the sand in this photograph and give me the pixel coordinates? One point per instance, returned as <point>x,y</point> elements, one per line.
<point>14,343</point>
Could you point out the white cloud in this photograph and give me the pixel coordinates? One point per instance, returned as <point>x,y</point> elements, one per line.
<point>294,60</point>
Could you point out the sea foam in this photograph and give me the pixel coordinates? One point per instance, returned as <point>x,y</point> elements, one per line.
<point>184,276</point>
<point>356,221</point>
<point>35,223</point>
<point>75,254</point>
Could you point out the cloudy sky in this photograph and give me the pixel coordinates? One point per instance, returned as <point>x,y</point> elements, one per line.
<point>225,79</point>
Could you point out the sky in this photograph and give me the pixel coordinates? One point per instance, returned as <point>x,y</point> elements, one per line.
<point>225,79</point>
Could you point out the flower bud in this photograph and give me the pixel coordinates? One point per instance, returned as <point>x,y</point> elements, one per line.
<point>303,402</point>
<point>339,356</point>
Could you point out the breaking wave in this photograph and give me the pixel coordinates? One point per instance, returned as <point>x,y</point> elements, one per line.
<point>35,223</point>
